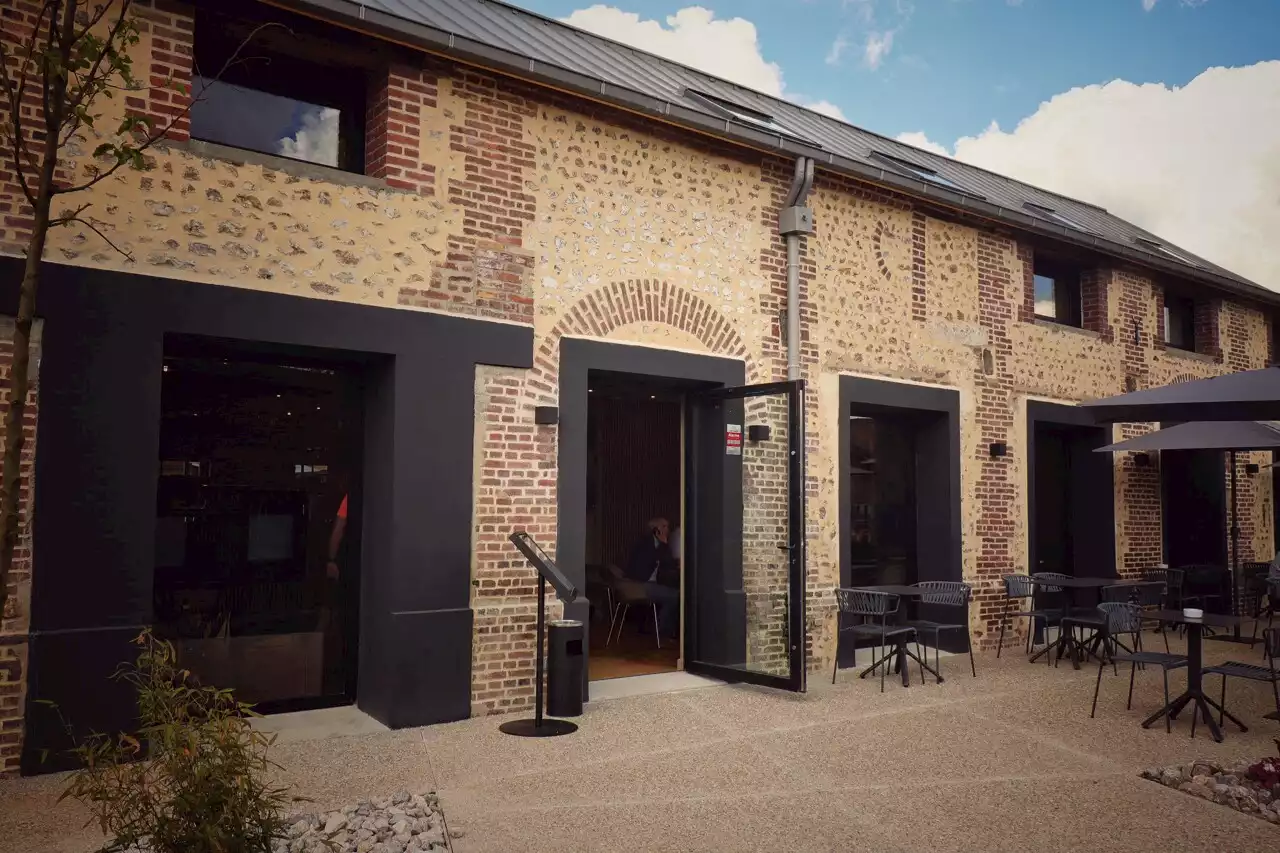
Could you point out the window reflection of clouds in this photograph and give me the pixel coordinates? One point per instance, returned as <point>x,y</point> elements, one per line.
<point>259,121</point>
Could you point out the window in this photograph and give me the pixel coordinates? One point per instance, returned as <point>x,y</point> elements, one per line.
<point>1179,322</point>
<point>1167,251</point>
<point>923,173</point>
<point>283,95</point>
<point>743,115</point>
<point>1057,290</point>
<point>1052,215</point>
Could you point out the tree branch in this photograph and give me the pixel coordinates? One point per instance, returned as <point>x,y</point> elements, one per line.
<point>155,136</point>
<point>116,29</point>
<point>74,216</point>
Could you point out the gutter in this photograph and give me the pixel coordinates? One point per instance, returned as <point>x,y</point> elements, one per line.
<point>354,15</point>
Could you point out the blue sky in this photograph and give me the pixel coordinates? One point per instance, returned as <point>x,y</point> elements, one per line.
<point>956,65</point>
<point>1166,112</point>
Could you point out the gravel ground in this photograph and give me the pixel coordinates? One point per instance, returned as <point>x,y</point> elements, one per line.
<point>403,823</point>
<point>1225,784</point>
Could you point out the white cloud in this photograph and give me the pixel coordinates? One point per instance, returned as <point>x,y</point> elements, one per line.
<point>316,141</point>
<point>1148,5</point>
<point>919,140</point>
<point>692,36</point>
<point>1197,165</point>
<point>837,48</point>
<point>825,107</point>
<point>877,48</point>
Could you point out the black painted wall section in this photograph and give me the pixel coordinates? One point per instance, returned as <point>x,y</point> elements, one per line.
<point>578,358</point>
<point>1090,489</point>
<point>97,462</point>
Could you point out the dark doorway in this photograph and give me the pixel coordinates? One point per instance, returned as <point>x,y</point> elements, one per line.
<point>257,523</point>
<point>882,489</point>
<point>1194,498</point>
<point>1072,507</point>
<point>633,504</point>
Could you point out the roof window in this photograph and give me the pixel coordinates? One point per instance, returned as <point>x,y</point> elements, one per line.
<point>1039,210</point>
<point>914,170</point>
<point>1161,249</point>
<point>741,114</point>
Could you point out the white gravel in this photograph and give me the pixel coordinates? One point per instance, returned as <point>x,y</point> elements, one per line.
<point>404,823</point>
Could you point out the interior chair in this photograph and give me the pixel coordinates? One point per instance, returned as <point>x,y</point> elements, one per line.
<point>1252,672</point>
<point>627,592</point>
<point>1125,618</point>
<point>952,594</point>
<point>1019,598</point>
<point>874,611</point>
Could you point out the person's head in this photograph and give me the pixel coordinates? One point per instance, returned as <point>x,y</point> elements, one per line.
<point>661,528</point>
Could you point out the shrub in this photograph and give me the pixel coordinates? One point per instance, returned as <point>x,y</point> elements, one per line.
<point>194,777</point>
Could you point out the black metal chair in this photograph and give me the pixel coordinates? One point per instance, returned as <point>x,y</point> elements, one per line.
<point>1252,672</point>
<point>1125,618</point>
<point>1174,581</point>
<point>1019,588</point>
<point>1046,596</point>
<point>1272,589</point>
<point>874,609</point>
<point>1147,594</point>
<point>945,594</point>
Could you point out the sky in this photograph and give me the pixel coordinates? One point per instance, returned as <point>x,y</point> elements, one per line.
<point>1165,112</point>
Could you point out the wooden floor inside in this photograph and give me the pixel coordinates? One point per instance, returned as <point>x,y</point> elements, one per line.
<point>635,653</point>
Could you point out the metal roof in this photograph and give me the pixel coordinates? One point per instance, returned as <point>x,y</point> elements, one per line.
<point>505,38</point>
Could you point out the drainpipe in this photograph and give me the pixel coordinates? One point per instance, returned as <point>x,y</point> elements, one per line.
<point>795,220</point>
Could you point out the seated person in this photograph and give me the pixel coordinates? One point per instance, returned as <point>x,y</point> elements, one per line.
<point>652,564</point>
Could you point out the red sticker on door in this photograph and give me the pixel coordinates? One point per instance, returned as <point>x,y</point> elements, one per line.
<point>733,439</point>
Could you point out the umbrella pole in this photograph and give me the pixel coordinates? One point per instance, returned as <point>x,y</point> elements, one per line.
<point>1235,545</point>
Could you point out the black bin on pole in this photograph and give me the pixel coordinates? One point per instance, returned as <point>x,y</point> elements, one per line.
<point>564,668</point>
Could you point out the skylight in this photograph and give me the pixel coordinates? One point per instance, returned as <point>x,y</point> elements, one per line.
<point>914,170</point>
<point>739,113</point>
<point>1052,215</point>
<point>1160,248</point>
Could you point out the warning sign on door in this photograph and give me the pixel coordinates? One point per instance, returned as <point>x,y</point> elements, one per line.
<point>733,439</point>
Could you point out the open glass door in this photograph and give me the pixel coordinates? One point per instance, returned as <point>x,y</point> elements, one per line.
<point>744,543</point>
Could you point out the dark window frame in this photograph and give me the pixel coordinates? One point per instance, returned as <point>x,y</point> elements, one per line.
<point>1175,304</point>
<point>298,68</point>
<point>1068,297</point>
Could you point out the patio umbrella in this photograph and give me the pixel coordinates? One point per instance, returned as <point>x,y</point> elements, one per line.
<point>1228,436</point>
<point>1243,396</point>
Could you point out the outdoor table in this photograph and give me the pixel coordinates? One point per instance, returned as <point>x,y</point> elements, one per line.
<point>912,594</point>
<point>1066,642</point>
<point>1195,669</point>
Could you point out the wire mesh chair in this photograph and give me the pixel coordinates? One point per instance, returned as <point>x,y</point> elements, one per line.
<point>1147,594</point>
<point>1125,618</point>
<point>945,594</point>
<point>1252,672</point>
<point>875,609</point>
<point>1019,588</point>
<point>1046,596</point>
<point>1174,580</point>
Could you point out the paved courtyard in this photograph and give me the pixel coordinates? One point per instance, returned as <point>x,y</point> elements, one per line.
<point>1007,761</point>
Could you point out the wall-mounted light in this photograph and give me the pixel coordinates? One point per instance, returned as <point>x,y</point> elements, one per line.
<point>758,432</point>
<point>1251,468</point>
<point>998,449</point>
<point>1142,460</point>
<point>546,415</point>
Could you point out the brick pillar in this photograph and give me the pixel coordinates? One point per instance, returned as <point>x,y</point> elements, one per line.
<point>1095,286</point>
<point>16,622</point>
<point>1207,320</point>
<point>167,29</point>
<point>1140,542</point>
<point>393,128</point>
<point>1000,290</point>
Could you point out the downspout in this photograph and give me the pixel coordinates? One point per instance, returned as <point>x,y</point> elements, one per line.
<point>793,221</point>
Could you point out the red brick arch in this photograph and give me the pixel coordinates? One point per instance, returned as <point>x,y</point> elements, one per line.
<point>621,303</point>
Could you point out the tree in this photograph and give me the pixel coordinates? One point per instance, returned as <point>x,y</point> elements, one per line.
<point>76,53</point>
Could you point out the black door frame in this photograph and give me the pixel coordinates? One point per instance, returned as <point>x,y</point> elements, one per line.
<point>578,358</point>
<point>1098,557</point>
<point>705,457</point>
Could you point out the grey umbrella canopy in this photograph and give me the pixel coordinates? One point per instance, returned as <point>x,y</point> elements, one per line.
<point>1250,395</point>
<point>1204,435</point>
<point>1229,436</point>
